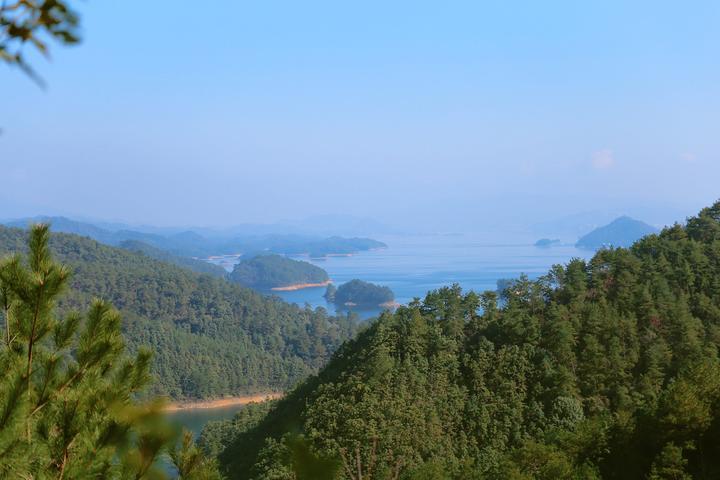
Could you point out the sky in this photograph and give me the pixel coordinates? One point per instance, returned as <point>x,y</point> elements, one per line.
<point>451,115</point>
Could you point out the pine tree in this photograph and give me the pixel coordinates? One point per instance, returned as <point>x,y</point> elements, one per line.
<point>190,461</point>
<point>68,405</point>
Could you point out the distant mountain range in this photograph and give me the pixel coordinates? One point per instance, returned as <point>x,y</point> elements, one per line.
<point>573,226</point>
<point>621,232</point>
<point>190,243</point>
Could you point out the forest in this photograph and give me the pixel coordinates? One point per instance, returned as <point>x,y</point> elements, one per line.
<point>264,272</point>
<point>606,368</point>
<point>199,266</point>
<point>210,337</point>
<point>357,293</point>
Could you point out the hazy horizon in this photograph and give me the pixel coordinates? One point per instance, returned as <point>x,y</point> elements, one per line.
<point>433,117</point>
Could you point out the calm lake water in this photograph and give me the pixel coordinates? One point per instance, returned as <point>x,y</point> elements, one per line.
<point>195,420</point>
<point>413,265</point>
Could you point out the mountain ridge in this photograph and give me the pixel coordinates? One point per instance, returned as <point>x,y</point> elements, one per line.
<point>621,232</point>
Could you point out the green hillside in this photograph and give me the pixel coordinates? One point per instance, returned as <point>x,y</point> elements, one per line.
<point>601,369</point>
<point>198,266</point>
<point>357,293</point>
<point>270,271</point>
<point>210,337</point>
<point>621,232</point>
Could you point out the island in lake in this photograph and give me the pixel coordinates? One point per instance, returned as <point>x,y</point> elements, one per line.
<point>547,242</point>
<point>621,232</point>
<point>275,272</point>
<point>357,293</point>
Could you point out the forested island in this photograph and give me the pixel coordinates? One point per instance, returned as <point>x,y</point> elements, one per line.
<point>275,272</point>
<point>547,242</point>
<point>210,337</point>
<point>359,294</point>
<point>621,232</point>
<point>607,368</point>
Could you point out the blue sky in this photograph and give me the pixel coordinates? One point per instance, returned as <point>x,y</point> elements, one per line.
<point>449,113</point>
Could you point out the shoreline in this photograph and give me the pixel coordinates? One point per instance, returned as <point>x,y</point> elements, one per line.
<point>222,402</point>
<point>300,286</point>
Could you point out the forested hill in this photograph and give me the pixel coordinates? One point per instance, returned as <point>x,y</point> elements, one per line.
<point>210,337</point>
<point>601,369</point>
<point>275,271</point>
<point>362,294</point>
<point>621,232</point>
<point>193,264</point>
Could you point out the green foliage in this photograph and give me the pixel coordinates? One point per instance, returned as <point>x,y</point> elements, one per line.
<point>217,435</point>
<point>198,266</point>
<point>34,23</point>
<point>330,292</point>
<point>67,390</point>
<point>210,337</point>
<point>264,272</point>
<point>191,463</point>
<point>601,369</point>
<point>362,294</point>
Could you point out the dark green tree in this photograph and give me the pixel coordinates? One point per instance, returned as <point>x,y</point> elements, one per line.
<point>67,389</point>
<point>601,369</point>
<point>191,463</point>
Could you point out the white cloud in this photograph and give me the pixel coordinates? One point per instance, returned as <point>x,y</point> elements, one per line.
<point>603,159</point>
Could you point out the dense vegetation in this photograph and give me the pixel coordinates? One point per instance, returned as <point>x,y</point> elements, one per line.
<point>210,337</point>
<point>621,232</point>
<point>357,293</point>
<point>601,369</point>
<point>264,272</point>
<point>199,266</point>
<point>67,391</point>
<point>193,244</point>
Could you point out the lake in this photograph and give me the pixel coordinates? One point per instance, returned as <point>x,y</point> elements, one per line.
<point>195,419</point>
<point>413,265</point>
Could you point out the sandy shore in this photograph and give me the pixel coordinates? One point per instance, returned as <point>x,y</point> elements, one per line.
<point>300,286</point>
<point>222,402</point>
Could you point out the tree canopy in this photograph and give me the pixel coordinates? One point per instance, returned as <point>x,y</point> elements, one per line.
<point>362,294</point>
<point>210,337</point>
<point>66,387</point>
<point>607,368</point>
<point>272,271</point>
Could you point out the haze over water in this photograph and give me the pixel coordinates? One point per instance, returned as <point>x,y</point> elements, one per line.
<point>413,265</point>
